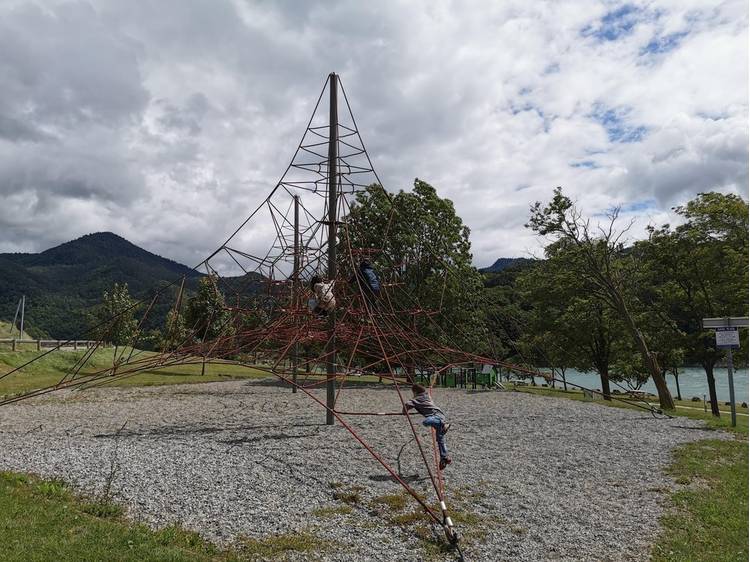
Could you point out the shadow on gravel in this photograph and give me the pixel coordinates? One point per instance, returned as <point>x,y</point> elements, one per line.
<point>351,384</point>
<point>388,478</point>
<point>273,437</point>
<point>198,430</point>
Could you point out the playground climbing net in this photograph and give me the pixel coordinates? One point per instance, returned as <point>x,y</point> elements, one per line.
<point>306,227</point>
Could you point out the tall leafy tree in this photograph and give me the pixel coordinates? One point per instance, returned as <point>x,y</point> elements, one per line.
<point>597,257</point>
<point>699,269</point>
<point>567,327</point>
<point>424,251</point>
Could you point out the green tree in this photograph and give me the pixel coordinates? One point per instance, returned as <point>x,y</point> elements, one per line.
<point>566,326</point>
<point>423,249</point>
<point>206,315</point>
<point>175,332</point>
<point>116,316</point>
<point>598,259</point>
<point>698,270</point>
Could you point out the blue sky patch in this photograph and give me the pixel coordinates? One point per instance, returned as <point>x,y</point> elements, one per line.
<point>663,44</point>
<point>613,121</point>
<point>584,164</point>
<point>638,206</point>
<point>614,24</point>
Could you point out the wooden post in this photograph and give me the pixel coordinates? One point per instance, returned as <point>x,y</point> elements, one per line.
<point>38,345</point>
<point>13,344</point>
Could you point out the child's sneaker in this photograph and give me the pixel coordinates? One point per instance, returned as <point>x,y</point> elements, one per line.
<point>446,427</point>
<point>444,462</point>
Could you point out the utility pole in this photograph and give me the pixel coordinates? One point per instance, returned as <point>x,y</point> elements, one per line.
<point>333,136</point>
<point>295,292</point>
<point>23,310</point>
<point>15,318</point>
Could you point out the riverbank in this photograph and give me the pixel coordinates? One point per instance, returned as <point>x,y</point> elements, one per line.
<point>692,383</point>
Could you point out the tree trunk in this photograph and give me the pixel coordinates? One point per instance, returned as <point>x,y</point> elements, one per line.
<point>203,366</point>
<point>665,397</point>
<point>709,368</point>
<point>677,383</point>
<point>565,382</point>
<point>604,376</point>
<point>114,362</point>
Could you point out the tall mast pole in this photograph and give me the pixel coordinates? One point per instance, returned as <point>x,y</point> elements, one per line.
<point>295,290</point>
<point>333,136</point>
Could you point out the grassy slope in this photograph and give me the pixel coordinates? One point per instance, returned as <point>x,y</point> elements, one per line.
<point>49,369</point>
<point>42,520</point>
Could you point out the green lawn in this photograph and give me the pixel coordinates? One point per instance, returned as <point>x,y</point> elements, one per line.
<point>51,368</point>
<point>708,519</point>
<point>41,520</point>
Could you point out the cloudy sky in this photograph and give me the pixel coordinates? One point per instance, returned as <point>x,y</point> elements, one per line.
<point>167,121</point>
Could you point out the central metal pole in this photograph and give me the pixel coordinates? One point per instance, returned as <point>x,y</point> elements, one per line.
<point>296,291</point>
<point>333,135</point>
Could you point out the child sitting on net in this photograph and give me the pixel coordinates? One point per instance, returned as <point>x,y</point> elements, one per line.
<point>434,417</point>
<point>323,302</point>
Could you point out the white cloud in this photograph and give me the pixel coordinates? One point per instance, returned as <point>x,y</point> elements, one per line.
<point>168,122</point>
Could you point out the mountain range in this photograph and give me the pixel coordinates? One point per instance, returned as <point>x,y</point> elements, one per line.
<point>62,284</point>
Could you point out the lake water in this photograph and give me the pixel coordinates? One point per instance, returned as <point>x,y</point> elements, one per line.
<point>692,383</point>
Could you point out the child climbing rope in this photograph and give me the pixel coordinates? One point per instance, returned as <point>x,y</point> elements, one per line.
<point>369,282</point>
<point>324,301</point>
<point>434,417</point>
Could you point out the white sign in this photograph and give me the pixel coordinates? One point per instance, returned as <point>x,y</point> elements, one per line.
<point>727,337</point>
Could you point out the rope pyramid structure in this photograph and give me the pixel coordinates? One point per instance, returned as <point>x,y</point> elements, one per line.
<point>307,226</point>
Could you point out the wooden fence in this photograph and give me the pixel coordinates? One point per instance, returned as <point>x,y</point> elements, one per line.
<point>40,344</point>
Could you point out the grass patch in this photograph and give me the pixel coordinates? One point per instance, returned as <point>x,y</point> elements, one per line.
<point>709,518</point>
<point>271,547</point>
<point>391,501</point>
<point>351,495</point>
<point>52,367</point>
<point>42,520</point>
<point>103,509</point>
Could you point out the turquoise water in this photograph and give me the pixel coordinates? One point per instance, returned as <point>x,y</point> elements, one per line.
<point>692,383</point>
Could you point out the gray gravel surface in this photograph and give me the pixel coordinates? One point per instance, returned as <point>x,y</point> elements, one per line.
<point>533,478</point>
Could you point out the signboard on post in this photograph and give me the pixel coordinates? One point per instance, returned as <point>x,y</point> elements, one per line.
<point>727,338</point>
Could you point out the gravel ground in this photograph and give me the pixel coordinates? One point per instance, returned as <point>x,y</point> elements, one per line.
<point>533,478</point>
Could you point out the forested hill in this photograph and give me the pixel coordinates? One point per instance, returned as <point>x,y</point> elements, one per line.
<point>63,283</point>
<point>505,263</point>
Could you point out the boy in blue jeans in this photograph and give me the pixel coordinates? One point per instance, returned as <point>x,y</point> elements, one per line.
<point>433,417</point>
